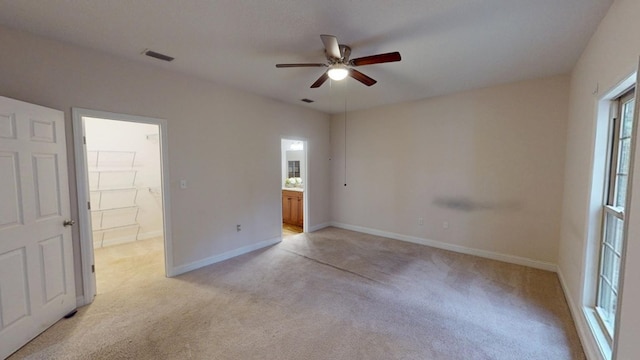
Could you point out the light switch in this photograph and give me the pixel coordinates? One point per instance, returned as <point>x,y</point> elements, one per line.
<point>183,184</point>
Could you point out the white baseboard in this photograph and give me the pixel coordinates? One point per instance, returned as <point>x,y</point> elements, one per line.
<point>177,270</point>
<point>589,343</point>
<point>318,227</point>
<point>452,247</point>
<point>150,234</point>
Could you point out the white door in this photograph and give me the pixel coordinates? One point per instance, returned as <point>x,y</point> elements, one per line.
<point>36,258</point>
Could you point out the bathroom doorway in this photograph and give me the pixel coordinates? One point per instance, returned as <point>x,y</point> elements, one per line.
<point>294,184</point>
<point>121,175</point>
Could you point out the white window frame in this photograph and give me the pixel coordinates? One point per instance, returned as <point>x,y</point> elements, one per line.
<point>609,208</point>
<point>596,343</point>
<point>612,210</point>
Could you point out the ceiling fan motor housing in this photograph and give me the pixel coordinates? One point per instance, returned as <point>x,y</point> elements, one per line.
<point>345,51</point>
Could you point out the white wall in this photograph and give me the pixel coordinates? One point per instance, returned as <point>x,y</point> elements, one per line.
<point>612,54</point>
<point>488,162</point>
<point>134,150</point>
<point>224,142</point>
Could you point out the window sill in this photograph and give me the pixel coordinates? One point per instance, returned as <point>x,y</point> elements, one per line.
<point>598,333</point>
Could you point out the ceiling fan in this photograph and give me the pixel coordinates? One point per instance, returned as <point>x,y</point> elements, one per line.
<point>339,64</point>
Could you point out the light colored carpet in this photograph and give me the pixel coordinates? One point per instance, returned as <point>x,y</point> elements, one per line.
<point>332,294</point>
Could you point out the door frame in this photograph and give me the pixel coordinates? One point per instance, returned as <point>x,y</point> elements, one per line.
<point>82,180</point>
<point>305,181</point>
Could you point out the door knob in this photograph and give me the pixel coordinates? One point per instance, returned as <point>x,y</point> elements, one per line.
<point>68,222</point>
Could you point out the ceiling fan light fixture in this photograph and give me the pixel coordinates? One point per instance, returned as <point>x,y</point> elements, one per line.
<point>338,72</point>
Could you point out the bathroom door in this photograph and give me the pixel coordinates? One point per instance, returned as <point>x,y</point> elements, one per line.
<point>37,285</point>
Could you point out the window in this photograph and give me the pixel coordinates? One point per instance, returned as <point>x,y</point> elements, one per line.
<point>294,169</point>
<point>614,210</point>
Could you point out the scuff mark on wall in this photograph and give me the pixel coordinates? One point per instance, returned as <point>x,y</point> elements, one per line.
<point>467,204</point>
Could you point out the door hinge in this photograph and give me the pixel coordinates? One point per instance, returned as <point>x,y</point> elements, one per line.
<point>84,140</point>
<point>93,268</point>
<point>89,205</point>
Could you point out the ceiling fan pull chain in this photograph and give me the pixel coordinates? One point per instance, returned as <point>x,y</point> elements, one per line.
<point>345,132</point>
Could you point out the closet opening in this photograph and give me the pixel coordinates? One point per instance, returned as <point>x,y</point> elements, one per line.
<point>120,176</point>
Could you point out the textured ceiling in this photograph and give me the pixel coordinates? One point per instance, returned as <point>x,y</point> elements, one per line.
<point>446,45</point>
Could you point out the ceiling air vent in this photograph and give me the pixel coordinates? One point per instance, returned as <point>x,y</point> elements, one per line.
<point>158,56</point>
<point>308,101</point>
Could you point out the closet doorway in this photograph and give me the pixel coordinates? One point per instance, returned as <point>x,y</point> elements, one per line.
<point>294,185</point>
<point>120,178</point>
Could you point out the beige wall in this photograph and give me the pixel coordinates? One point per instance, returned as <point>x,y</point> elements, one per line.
<point>225,143</point>
<point>489,162</point>
<point>611,56</point>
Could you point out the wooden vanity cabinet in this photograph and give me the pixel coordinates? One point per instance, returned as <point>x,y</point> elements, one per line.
<point>292,208</point>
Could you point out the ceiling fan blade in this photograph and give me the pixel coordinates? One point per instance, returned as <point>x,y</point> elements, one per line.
<point>301,65</point>
<point>320,81</point>
<point>376,59</point>
<point>331,46</point>
<point>361,77</point>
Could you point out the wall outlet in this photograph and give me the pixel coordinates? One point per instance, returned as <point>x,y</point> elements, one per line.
<point>420,221</point>
<point>238,228</point>
<point>445,224</point>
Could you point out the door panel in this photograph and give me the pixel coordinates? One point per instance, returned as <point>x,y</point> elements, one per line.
<point>295,210</point>
<point>37,285</point>
<point>43,130</point>
<point>13,275</point>
<point>286,209</point>
<point>7,126</point>
<point>52,257</point>
<point>46,185</point>
<point>10,211</point>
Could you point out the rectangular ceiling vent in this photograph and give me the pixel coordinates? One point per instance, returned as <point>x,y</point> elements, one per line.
<point>157,55</point>
<point>308,101</point>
